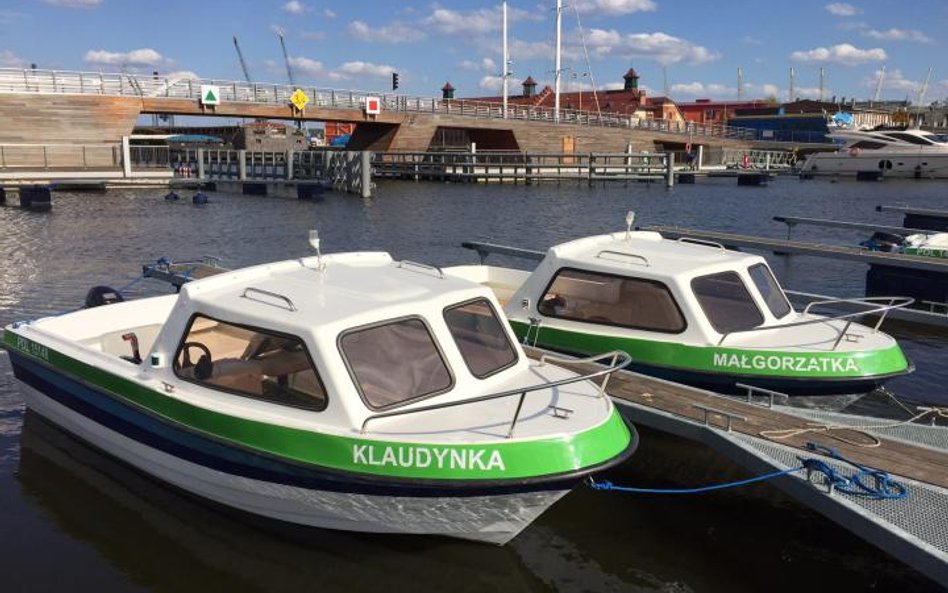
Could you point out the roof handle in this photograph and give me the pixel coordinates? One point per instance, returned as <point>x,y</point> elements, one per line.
<point>406,263</point>
<point>644,260</point>
<point>704,242</point>
<point>248,292</point>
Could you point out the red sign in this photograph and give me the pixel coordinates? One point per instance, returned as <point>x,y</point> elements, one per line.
<point>373,106</point>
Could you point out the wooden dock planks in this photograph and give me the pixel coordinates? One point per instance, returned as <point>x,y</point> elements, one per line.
<point>919,463</point>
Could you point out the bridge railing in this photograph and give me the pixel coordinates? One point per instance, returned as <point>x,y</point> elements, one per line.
<point>153,86</point>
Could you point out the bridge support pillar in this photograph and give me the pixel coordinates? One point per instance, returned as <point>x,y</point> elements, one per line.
<point>366,169</point>
<point>289,163</point>
<point>700,158</point>
<point>126,158</point>
<point>200,163</point>
<point>242,165</point>
<point>669,170</point>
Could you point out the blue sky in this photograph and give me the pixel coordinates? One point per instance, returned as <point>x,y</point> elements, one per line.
<point>357,43</point>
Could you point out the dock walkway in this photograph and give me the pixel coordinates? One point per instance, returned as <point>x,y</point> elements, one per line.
<point>914,529</point>
<point>805,248</point>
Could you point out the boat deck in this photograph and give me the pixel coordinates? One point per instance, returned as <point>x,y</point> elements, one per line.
<point>914,529</point>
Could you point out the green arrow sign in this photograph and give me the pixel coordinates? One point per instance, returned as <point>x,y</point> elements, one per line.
<point>210,95</point>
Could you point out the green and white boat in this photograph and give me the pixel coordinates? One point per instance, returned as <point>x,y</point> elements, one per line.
<point>692,312</point>
<point>348,391</point>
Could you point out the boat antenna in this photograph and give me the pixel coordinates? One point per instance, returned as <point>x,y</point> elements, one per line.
<point>557,72</point>
<point>314,243</point>
<point>629,219</point>
<point>505,58</point>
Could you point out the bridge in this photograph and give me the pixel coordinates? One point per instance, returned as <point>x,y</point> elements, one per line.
<point>69,107</point>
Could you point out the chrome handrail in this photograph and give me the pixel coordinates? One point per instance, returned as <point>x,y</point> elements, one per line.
<point>893,303</point>
<point>407,262</point>
<point>619,361</point>
<point>289,304</point>
<point>625,254</point>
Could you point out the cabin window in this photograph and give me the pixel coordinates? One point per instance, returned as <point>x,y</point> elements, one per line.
<point>395,362</point>
<point>868,145</point>
<point>480,337</point>
<point>608,299</point>
<point>769,289</point>
<point>910,138</point>
<point>726,302</point>
<point>248,361</point>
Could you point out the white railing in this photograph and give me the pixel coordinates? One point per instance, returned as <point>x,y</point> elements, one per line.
<point>148,86</point>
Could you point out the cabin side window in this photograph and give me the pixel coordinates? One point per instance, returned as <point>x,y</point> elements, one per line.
<point>607,299</point>
<point>395,362</point>
<point>726,302</point>
<point>480,337</point>
<point>769,289</point>
<point>251,362</point>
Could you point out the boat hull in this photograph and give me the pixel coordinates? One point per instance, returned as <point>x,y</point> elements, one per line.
<point>722,369</point>
<point>930,166</point>
<point>257,484</point>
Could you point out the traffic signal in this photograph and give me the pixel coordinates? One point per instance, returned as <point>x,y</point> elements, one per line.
<point>394,81</point>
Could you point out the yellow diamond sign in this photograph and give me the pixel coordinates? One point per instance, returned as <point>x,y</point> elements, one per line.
<point>299,99</point>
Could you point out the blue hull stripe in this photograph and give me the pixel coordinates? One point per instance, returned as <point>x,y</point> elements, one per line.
<point>152,431</point>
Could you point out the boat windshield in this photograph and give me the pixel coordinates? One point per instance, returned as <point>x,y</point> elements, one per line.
<point>607,299</point>
<point>769,289</point>
<point>250,362</point>
<point>480,337</point>
<point>726,302</point>
<point>395,362</point>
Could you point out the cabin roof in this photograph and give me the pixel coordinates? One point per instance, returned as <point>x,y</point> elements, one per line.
<point>665,257</point>
<point>352,289</point>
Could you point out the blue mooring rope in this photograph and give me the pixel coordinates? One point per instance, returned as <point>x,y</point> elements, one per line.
<point>857,484</point>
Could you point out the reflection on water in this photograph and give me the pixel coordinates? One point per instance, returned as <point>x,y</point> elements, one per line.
<point>84,522</point>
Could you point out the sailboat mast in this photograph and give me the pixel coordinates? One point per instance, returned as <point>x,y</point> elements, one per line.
<point>556,73</point>
<point>505,59</point>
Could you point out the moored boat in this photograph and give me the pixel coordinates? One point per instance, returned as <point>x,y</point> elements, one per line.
<point>348,391</point>
<point>692,312</point>
<point>890,151</point>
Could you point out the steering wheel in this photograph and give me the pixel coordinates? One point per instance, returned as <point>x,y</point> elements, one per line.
<point>186,352</point>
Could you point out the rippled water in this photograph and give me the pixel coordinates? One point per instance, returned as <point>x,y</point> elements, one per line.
<point>73,519</point>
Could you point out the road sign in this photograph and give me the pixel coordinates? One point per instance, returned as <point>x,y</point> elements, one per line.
<point>299,99</point>
<point>210,94</point>
<point>373,106</point>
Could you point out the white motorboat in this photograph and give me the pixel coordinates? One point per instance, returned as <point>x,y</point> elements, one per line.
<point>348,391</point>
<point>886,150</point>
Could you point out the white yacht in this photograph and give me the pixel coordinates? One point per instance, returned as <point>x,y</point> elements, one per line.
<point>892,151</point>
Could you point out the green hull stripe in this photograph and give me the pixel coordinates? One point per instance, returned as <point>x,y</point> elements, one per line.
<point>489,461</point>
<point>736,361</point>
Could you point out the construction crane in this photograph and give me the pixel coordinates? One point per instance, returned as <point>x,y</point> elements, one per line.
<point>243,63</point>
<point>875,96</point>
<point>923,90</point>
<point>286,58</point>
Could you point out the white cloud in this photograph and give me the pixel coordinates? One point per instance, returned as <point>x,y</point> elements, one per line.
<point>491,83</point>
<point>660,47</point>
<point>485,65</point>
<point>182,75</point>
<point>74,3</point>
<point>9,60</point>
<point>701,89</point>
<point>313,35</point>
<point>395,33</point>
<point>136,57</point>
<point>842,9</point>
<point>521,50</point>
<point>471,22</point>
<point>615,6</point>
<point>294,7</point>
<point>329,14</point>
<point>359,68</point>
<point>844,53</point>
<point>912,35</point>
<point>894,81</point>
<point>305,66</point>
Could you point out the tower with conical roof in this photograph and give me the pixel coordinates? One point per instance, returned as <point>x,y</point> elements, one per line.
<point>631,79</point>
<point>529,87</point>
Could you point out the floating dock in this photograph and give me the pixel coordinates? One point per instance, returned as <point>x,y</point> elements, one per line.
<point>784,246</point>
<point>793,221</point>
<point>931,220</point>
<point>913,529</point>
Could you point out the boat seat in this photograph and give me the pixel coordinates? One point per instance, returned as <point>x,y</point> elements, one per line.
<point>229,373</point>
